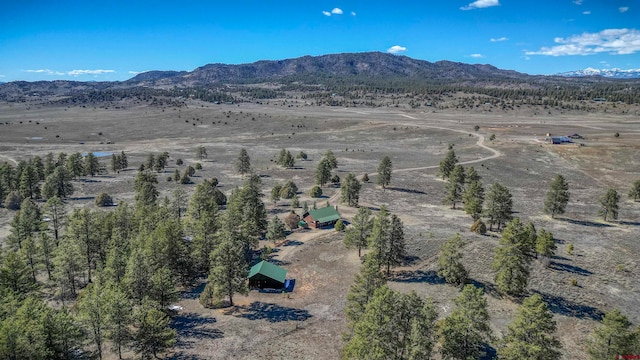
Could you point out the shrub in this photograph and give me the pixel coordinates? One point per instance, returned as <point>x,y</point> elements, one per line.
<point>335,179</point>
<point>179,162</point>
<point>185,179</point>
<point>198,166</point>
<point>617,134</point>
<point>479,227</point>
<point>13,200</point>
<point>492,137</point>
<point>169,179</point>
<point>292,220</point>
<point>104,199</point>
<point>302,155</point>
<point>476,128</point>
<point>288,190</point>
<point>214,181</point>
<point>316,192</point>
<point>365,178</point>
<point>339,226</point>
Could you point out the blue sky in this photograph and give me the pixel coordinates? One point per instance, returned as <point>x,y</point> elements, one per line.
<point>113,40</point>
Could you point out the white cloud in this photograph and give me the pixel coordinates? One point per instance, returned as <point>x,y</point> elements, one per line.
<point>623,9</point>
<point>337,11</point>
<point>608,41</point>
<point>477,56</point>
<point>89,72</point>
<point>479,4</point>
<point>577,2</point>
<point>499,39</point>
<point>396,49</point>
<point>326,13</point>
<point>586,12</point>
<point>45,71</point>
<point>353,13</point>
<point>137,72</point>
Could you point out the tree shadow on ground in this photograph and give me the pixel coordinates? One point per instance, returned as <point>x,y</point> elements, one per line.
<point>584,222</point>
<point>182,356</point>
<point>404,190</point>
<point>489,352</point>
<point>258,310</point>
<point>562,306</point>
<point>192,327</point>
<point>278,262</point>
<point>293,243</point>
<point>569,268</point>
<point>418,276</point>
<point>489,289</point>
<point>411,259</point>
<point>631,223</point>
<point>194,292</point>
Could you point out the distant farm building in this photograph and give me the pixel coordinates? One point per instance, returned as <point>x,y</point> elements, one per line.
<point>558,140</point>
<point>265,275</point>
<point>323,217</point>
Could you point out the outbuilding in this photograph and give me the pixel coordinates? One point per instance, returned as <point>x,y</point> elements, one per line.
<point>323,217</point>
<point>265,275</point>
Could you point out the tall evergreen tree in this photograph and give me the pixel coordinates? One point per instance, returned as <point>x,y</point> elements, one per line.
<point>118,318</point>
<point>275,229</point>
<point>529,336</point>
<point>557,196</point>
<point>16,276</point>
<point>384,172</point>
<point>75,165</point>
<point>396,252</point>
<point>29,180</point>
<point>466,330</point>
<point>55,209</point>
<point>153,334</point>
<point>358,233</point>
<point>58,183</point>
<point>82,229</point>
<point>510,262</point>
<point>609,205</point>
<point>91,164</point>
<point>323,172</point>
<point>613,337</point>
<point>450,265</point>
<point>350,190</point>
<point>471,175</point>
<point>92,306</point>
<point>67,268</point>
<point>454,186</point>
<point>448,163</point>
<point>229,269</point>
<point>380,234</point>
<point>365,283</point>
<point>473,199</point>
<point>137,278</point>
<point>331,159</point>
<point>243,164</point>
<point>498,205</point>
<point>146,192</point>
<point>634,192</point>
<point>545,245</point>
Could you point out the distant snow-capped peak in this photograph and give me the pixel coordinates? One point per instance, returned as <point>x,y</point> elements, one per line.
<point>609,73</point>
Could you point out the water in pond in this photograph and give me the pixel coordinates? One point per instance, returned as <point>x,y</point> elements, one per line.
<point>100,153</point>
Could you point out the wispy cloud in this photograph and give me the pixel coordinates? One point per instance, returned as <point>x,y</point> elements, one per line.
<point>586,12</point>
<point>337,11</point>
<point>476,56</point>
<point>136,72</point>
<point>500,39</point>
<point>89,72</point>
<point>326,13</point>
<point>44,71</point>
<point>396,49</point>
<point>479,4</point>
<point>353,13</point>
<point>608,41</point>
<point>577,2</point>
<point>623,9</point>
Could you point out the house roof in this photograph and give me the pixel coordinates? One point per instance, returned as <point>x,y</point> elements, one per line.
<point>325,214</point>
<point>269,270</point>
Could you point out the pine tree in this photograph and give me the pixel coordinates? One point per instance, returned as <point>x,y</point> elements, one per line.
<point>91,164</point>
<point>510,261</point>
<point>557,196</point>
<point>613,337</point>
<point>201,152</point>
<point>498,205</point>
<point>423,332</point>
<point>331,160</point>
<point>46,248</point>
<point>609,205</point>
<point>229,268</point>
<point>634,192</point>
<point>118,318</point>
<point>545,245</point>
<point>365,283</point>
<point>162,287</point>
<point>323,172</point>
<point>358,233</point>
<point>146,191</point>
<point>75,165</point>
<point>56,211</point>
<point>384,172</point>
<point>448,163</point>
<point>243,165</point>
<point>29,183</point>
<point>82,229</point>
<point>350,190</point>
<point>471,175</point>
<point>529,240</point>
<point>275,229</point>
<point>58,184</point>
<point>473,199</point>
<point>67,268</point>
<point>466,330</point>
<point>454,186</point>
<point>137,278</point>
<point>15,275</point>
<point>380,234</point>
<point>153,334</point>
<point>396,249</point>
<point>92,306</point>
<point>529,336</point>
<point>450,265</point>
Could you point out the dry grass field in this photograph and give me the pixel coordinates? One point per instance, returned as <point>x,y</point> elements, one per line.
<point>308,323</point>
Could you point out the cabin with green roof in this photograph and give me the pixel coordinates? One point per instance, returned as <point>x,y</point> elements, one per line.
<point>265,275</point>
<point>323,217</point>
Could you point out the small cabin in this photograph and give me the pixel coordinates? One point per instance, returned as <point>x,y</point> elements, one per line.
<point>265,275</point>
<point>323,217</point>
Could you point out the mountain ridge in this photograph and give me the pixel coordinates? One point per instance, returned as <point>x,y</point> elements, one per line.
<point>613,73</point>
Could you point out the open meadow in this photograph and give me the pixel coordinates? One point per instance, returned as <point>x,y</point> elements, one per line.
<point>600,274</point>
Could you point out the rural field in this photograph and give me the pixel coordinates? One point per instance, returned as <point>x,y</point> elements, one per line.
<point>600,274</point>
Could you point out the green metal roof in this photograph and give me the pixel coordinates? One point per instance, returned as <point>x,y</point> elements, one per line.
<point>325,214</point>
<point>269,270</point>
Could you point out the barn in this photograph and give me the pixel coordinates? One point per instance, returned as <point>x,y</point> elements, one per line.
<point>323,217</point>
<point>265,275</point>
